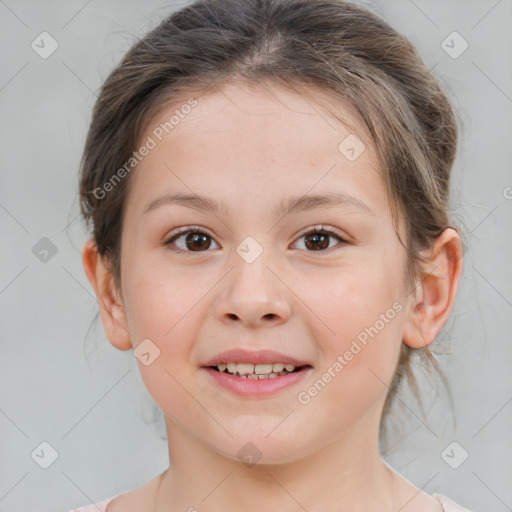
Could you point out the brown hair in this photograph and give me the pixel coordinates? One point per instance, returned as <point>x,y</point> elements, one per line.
<point>331,45</point>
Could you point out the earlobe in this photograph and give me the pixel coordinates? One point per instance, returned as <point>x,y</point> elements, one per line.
<point>112,310</point>
<point>436,290</point>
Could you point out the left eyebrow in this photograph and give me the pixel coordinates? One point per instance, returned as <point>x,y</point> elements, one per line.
<point>285,207</point>
<point>309,202</point>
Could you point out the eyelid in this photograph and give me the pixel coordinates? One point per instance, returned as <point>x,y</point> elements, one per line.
<point>169,239</point>
<point>186,229</point>
<point>321,228</point>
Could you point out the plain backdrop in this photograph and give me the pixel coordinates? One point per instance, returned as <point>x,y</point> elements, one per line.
<point>84,400</point>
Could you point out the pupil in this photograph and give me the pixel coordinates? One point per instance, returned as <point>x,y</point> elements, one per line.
<point>317,238</point>
<point>197,240</point>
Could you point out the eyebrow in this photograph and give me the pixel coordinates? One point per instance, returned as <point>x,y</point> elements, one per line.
<point>287,206</point>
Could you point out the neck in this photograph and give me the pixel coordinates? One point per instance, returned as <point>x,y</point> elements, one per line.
<point>346,474</point>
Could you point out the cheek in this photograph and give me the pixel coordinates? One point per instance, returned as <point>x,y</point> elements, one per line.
<point>162,324</point>
<point>346,301</point>
<point>160,296</point>
<point>358,322</point>
<point>358,366</point>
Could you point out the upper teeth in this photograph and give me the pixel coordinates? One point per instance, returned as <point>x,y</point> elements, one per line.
<point>258,369</point>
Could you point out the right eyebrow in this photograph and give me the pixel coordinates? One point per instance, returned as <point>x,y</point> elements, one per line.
<point>195,201</point>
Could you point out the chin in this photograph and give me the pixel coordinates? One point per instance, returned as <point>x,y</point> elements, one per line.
<point>260,450</point>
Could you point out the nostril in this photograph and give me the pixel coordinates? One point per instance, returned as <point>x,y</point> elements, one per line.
<point>269,316</point>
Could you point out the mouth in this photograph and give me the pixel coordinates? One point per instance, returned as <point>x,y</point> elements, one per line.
<point>255,374</point>
<point>256,382</point>
<point>258,372</point>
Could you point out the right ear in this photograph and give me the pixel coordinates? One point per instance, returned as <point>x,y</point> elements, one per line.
<point>112,309</point>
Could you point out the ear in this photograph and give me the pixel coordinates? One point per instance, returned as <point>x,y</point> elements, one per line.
<point>111,307</point>
<point>435,292</point>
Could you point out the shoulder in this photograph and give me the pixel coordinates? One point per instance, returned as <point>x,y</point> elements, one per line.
<point>100,506</point>
<point>131,499</point>
<point>448,504</point>
<point>137,499</point>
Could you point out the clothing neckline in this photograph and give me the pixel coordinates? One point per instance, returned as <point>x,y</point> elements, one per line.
<point>447,504</point>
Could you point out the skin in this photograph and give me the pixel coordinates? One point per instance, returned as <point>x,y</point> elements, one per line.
<point>248,148</point>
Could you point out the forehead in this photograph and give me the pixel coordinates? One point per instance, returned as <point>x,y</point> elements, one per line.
<point>257,106</point>
<point>243,135</point>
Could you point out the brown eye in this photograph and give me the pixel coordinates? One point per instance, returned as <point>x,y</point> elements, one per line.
<point>320,239</point>
<point>317,241</point>
<point>191,241</point>
<point>197,241</point>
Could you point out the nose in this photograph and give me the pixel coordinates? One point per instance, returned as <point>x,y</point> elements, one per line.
<point>253,295</point>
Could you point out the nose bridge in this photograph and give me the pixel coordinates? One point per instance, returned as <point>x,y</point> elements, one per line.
<point>252,292</point>
<point>252,280</point>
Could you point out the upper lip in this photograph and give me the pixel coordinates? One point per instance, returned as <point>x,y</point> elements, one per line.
<point>240,355</point>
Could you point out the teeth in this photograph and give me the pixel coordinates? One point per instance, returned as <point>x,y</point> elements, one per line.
<point>232,367</point>
<point>245,369</point>
<point>266,370</point>
<point>262,369</point>
<point>262,377</point>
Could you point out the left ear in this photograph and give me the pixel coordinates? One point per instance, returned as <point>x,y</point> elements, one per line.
<point>435,291</point>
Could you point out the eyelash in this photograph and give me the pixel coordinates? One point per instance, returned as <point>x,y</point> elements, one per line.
<point>197,230</point>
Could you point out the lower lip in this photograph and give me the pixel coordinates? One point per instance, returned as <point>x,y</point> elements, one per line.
<point>256,387</point>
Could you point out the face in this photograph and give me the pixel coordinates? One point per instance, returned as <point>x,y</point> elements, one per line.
<point>253,274</point>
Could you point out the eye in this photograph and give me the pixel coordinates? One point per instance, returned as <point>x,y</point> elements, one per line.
<point>190,240</point>
<point>317,239</point>
<point>195,240</point>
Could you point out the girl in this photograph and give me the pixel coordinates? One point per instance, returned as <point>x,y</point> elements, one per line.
<point>267,184</point>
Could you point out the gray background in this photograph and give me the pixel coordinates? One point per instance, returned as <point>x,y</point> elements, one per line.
<point>94,411</point>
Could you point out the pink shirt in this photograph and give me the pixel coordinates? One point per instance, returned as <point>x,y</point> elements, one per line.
<point>447,504</point>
